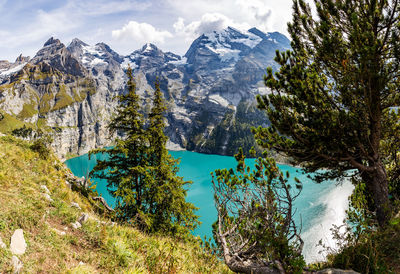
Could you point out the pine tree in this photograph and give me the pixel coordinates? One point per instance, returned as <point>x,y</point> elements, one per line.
<point>255,230</point>
<point>140,173</point>
<point>125,167</point>
<point>170,212</point>
<point>331,99</point>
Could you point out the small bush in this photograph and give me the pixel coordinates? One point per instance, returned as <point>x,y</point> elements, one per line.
<point>42,146</point>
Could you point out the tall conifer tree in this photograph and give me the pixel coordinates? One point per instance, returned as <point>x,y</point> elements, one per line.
<point>140,173</point>
<point>126,164</point>
<point>171,213</point>
<point>330,101</point>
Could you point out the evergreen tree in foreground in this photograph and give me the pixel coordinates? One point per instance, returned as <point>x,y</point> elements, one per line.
<point>331,101</point>
<point>167,205</point>
<point>125,168</point>
<point>140,173</point>
<point>255,230</point>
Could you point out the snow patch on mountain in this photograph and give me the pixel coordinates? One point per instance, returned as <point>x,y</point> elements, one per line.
<point>226,54</point>
<point>92,50</point>
<point>7,72</point>
<point>128,62</point>
<point>178,62</point>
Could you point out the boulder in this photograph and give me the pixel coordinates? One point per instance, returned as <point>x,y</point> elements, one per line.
<point>16,264</point>
<point>18,244</point>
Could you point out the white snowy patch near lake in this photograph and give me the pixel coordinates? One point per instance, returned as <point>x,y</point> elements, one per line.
<point>217,99</point>
<point>335,203</point>
<point>12,70</point>
<point>264,90</point>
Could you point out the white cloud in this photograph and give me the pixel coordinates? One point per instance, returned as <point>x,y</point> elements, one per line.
<point>209,22</point>
<point>140,33</point>
<point>256,9</point>
<point>44,25</point>
<point>266,15</point>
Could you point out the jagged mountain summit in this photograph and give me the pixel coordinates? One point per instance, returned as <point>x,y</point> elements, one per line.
<point>209,91</point>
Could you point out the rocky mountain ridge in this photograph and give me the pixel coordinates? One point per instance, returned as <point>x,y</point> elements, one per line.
<point>210,91</point>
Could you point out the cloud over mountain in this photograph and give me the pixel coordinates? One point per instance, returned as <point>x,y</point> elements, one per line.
<point>141,32</point>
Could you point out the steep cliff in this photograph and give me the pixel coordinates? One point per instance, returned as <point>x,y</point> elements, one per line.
<point>69,91</point>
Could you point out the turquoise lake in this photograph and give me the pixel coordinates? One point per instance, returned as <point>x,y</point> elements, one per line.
<point>318,206</point>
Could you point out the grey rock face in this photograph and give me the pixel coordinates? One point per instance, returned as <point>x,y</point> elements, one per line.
<point>18,244</point>
<point>72,88</point>
<point>59,57</point>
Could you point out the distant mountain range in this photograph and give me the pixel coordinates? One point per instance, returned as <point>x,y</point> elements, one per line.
<point>209,91</point>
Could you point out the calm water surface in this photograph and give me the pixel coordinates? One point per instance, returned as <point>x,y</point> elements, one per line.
<point>318,207</point>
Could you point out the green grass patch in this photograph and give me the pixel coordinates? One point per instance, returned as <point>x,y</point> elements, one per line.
<point>28,110</point>
<point>94,248</point>
<point>62,98</point>
<point>9,123</point>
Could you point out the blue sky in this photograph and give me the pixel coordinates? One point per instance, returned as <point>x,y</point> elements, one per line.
<point>125,25</point>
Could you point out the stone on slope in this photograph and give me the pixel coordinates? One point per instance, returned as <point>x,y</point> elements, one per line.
<point>59,232</point>
<point>83,218</point>
<point>16,264</point>
<point>18,244</point>
<point>45,189</point>
<point>47,197</point>
<point>76,205</point>
<point>76,225</point>
<point>2,244</point>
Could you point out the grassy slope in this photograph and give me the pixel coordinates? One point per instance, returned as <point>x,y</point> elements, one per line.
<point>102,248</point>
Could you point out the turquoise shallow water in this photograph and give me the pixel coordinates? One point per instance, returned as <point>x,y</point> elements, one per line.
<point>318,206</point>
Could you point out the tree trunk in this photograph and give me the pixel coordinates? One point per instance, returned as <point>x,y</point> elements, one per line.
<point>379,186</point>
